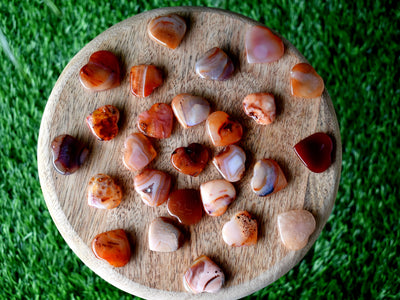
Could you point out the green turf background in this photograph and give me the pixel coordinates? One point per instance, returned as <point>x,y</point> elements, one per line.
<point>353,45</point>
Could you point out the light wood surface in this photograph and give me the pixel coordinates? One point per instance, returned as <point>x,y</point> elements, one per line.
<point>159,275</point>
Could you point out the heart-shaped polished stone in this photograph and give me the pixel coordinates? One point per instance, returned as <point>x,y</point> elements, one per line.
<point>186,206</point>
<point>262,46</point>
<point>190,160</point>
<point>113,247</point>
<point>231,163</point>
<point>215,64</point>
<point>203,276</point>
<point>315,152</point>
<point>153,186</point>
<point>144,79</point>
<point>167,30</point>
<point>157,121</point>
<point>305,81</point>
<point>216,195</point>
<point>164,236</point>
<point>102,72</point>
<point>222,129</point>
<point>295,228</point>
<point>268,178</point>
<point>138,152</point>
<point>103,192</point>
<point>260,107</point>
<point>68,154</point>
<point>241,230</point>
<point>190,110</point>
<point>103,122</point>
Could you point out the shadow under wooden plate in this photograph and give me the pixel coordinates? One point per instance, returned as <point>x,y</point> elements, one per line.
<point>159,275</point>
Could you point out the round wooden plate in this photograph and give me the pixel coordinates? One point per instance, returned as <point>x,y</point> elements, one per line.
<point>159,275</point>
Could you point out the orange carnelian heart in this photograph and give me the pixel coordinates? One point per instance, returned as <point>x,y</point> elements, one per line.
<point>144,79</point>
<point>102,72</point>
<point>157,121</point>
<point>113,247</point>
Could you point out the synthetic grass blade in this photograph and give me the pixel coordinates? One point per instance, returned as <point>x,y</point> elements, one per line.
<point>6,48</point>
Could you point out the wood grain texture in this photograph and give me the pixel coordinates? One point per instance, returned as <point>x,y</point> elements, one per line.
<point>159,275</point>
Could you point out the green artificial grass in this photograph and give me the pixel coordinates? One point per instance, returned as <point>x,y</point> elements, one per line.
<point>353,45</point>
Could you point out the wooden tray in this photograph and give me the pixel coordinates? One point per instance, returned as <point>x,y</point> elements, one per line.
<point>159,275</point>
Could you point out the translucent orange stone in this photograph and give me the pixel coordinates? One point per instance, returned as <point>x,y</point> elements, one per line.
<point>262,46</point>
<point>103,122</point>
<point>305,81</point>
<point>222,129</point>
<point>157,121</point>
<point>144,79</point>
<point>186,206</point>
<point>138,152</point>
<point>103,192</point>
<point>215,64</point>
<point>260,107</point>
<point>102,72</point>
<point>167,30</point>
<point>190,160</point>
<point>113,247</point>
<point>153,186</point>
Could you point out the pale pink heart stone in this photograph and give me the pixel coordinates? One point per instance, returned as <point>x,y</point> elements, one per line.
<point>262,46</point>
<point>203,276</point>
<point>295,227</point>
<point>164,236</point>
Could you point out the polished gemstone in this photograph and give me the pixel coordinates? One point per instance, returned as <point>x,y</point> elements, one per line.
<point>203,276</point>
<point>222,129</point>
<point>261,107</point>
<point>315,152</point>
<point>263,46</point>
<point>103,122</point>
<point>241,230</point>
<point>186,206</point>
<point>144,79</point>
<point>190,110</point>
<point>153,186</point>
<point>190,160</point>
<point>113,247</point>
<point>305,81</point>
<point>68,154</point>
<point>268,178</point>
<point>102,72</point>
<point>216,195</point>
<point>231,163</point>
<point>167,30</point>
<point>164,236</point>
<point>138,152</point>
<point>215,64</point>
<point>103,192</point>
<point>295,228</point>
<point>157,121</point>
